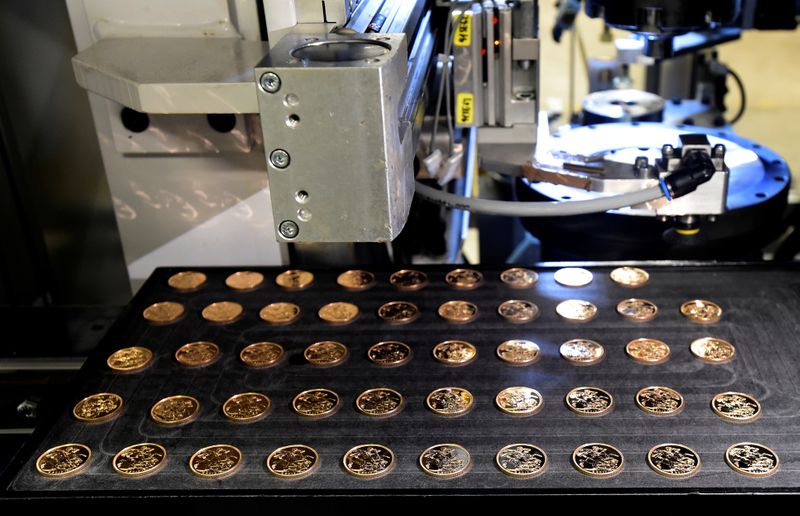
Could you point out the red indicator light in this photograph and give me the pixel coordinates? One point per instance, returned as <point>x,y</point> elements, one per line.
<point>483,51</point>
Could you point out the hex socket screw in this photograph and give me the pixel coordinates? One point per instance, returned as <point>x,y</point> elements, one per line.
<point>288,229</point>
<point>270,82</point>
<point>279,158</point>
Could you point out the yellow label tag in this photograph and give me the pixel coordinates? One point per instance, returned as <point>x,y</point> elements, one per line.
<point>463,37</point>
<point>465,109</point>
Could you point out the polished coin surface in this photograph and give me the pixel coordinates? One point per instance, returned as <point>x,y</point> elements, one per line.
<point>187,281</point>
<point>294,280</point>
<point>130,360</point>
<point>261,354</point>
<point>326,353</point>
<point>140,460</point>
<point>582,351</point>
<point>165,312</point>
<point>245,280</point>
<point>648,351</point>
<point>368,461</point>
<point>293,462</point>
<point>222,312</point>
<point>631,277</point>
<point>338,313</point>
<point>316,403</point>
<point>464,279</point>
<point>390,353</point>
<point>518,352</point>
<point>598,460</point>
<point>408,279</point>
<point>445,461</point>
<point>519,278</point>
<point>752,460</point>
<point>217,461</point>
<point>455,352</point>
<point>356,280</point>
<point>458,312</point>
<point>573,277</point>
<point>380,402</point>
<point>450,401</point>
<point>197,354</point>
<point>246,407</point>
<point>673,460</point>
<point>398,312</point>
<point>701,311</point>
<point>659,401</point>
<point>280,314</point>
<point>589,401</point>
<point>638,310</point>
<point>518,311</point>
<point>521,460</point>
<point>519,401</point>
<point>64,461</point>
<point>175,410</point>
<point>98,408</point>
<point>736,407</point>
<point>576,310</point>
<point>713,350</point>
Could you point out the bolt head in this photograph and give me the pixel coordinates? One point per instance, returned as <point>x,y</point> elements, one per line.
<point>270,82</point>
<point>288,229</point>
<point>279,158</point>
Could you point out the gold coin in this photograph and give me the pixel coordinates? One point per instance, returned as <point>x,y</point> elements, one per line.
<point>165,312</point>
<point>518,311</point>
<point>455,352</point>
<point>294,279</point>
<point>245,280</point>
<point>338,313</point>
<point>389,353</point>
<point>673,460</point>
<point>197,354</point>
<point>381,402</point>
<point>736,407</point>
<point>521,460</point>
<point>648,351</point>
<point>98,408</point>
<point>316,403</point>
<point>450,401</point>
<point>637,310</point>
<point>713,350</point>
<point>408,279</point>
<point>445,461</point>
<point>458,312</point>
<point>464,279</point>
<point>293,462</point>
<point>519,401</point>
<point>130,360</point>
<point>280,314</point>
<point>222,312</point>
<point>598,460</point>
<point>246,407</point>
<point>64,461</point>
<point>582,351</point>
<point>398,312</point>
<point>701,311</point>
<point>262,354</point>
<point>589,401</point>
<point>175,410</point>
<point>368,461</point>
<point>576,310</point>
<point>519,278</point>
<point>356,280</point>
<point>518,352</point>
<point>326,353</point>
<point>216,462</point>
<point>631,277</point>
<point>573,277</point>
<point>140,460</point>
<point>659,401</point>
<point>752,460</point>
<point>187,281</point>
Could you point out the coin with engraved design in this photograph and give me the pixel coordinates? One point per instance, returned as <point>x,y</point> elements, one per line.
<point>455,352</point>
<point>389,353</point>
<point>368,461</point>
<point>713,350</point>
<point>576,310</point>
<point>648,351</point>
<point>445,461</point>
<point>280,313</point>
<point>631,277</point>
<point>521,460</point>
<point>519,401</point>
<point>399,312</point>
<point>294,280</point>
<point>197,354</point>
<point>450,401</point>
<point>338,313</point>
<point>458,312</point>
<point>140,460</point>
<point>589,401</point>
<point>736,407</point>
<point>582,352</point>
<point>175,410</point>
<point>98,408</point>
<point>380,402</point>
<point>464,279</point>
<point>659,401</point>
<point>518,352</point>
<point>64,461</point>
<point>261,354</point>
<point>244,280</point>
<point>752,460</point>
<point>222,312</point>
<point>187,281</point>
<point>598,460</point>
<point>637,310</point>
<point>356,280</point>
<point>326,353</point>
<point>701,311</point>
<point>246,407</point>
<point>293,462</point>
<point>673,460</point>
<point>216,461</point>
<point>130,360</point>
<point>316,403</point>
<point>518,311</point>
<point>408,279</point>
<point>519,278</point>
<point>165,312</point>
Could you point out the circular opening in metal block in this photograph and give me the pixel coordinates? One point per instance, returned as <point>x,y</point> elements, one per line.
<point>341,50</point>
<point>301,196</point>
<point>292,121</point>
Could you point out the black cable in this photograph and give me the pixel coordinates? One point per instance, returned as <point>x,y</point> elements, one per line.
<point>743,103</point>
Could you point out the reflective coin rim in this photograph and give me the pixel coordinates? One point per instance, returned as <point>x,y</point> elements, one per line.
<point>460,286</point>
<point>330,412</point>
<point>310,471</point>
<point>319,364</point>
<point>279,323</point>
<point>250,419</point>
<point>449,476</point>
<point>606,411</point>
<point>406,320</point>
<point>677,476</point>
<point>418,286</point>
<point>229,320</point>
<point>634,318</point>
<point>737,469</point>
<point>456,414</point>
<point>586,362</point>
<point>191,417</point>
<point>560,272</point>
<point>570,319</point>
<point>655,413</point>
<point>647,362</point>
<point>523,363</point>
<point>155,469</point>
<point>280,278</point>
<point>535,410</point>
<point>457,321</point>
<point>518,321</point>
<point>218,476</point>
<point>708,360</point>
<point>228,281</point>
<point>700,321</point>
<point>536,473</point>
<point>145,365</point>
<point>275,362</point>
<point>184,363</point>
<point>391,413</point>
<point>533,275</point>
<point>455,363</point>
<point>338,322</point>
<point>195,288</point>
<point>734,420</point>
<point>102,419</point>
<point>630,285</point>
<point>359,288</point>
<point>70,473</point>
<point>367,476</point>
<point>599,475</point>
<point>391,364</point>
<point>170,321</point>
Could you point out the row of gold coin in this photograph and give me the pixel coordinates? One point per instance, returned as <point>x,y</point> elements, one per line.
<point>442,461</point>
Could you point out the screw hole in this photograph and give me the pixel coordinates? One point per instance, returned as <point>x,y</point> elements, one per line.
<point>222,122</point>
<point>134,121</point>
<point>292,121</point>
<point>566,197</point>
<point>301,196</point>
<point>761,195</point>
<point>780,179</point>
<point>291,100</point>
<point>304,214</point>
